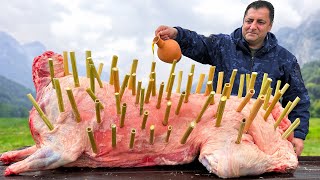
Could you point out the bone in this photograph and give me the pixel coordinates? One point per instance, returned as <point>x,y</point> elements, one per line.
<point>138,92</point>
<point>149,91</point>
<point>59,94</point>
<point>204,107</point>
<point>151,140</point>
<point>97,107</point>
<point>291,128</point>
<point>74,69</point>
<point>160,95</point>
<point>123,114</point>
<point>93,97</point>
<point>167,113</point>
<point>124,85</point>
<point>41,113</point>
<point>117,96</point>
<point>283,113</point>
<point>65,63</point>
<point>170,86</point>
<point>245,100</point>
<point>220,110</point>
<point>182,96</point>
<point>168,133</point>
<point>179,81</point>
<point>172,71</point>
<point>114,135</point>
<point>219,83</point>
<point>134,66</point>
<point>116,82</point>
<point>188,88</point>
<point>73,105</point>
<point>51,71</point>
<point>253,112</point>
<point>200,82</point>
<point>187,133</point>
<point>133,134</point>
<point>113,65</point>
<point>240,91</point>
<point>240,131</point>
<point>144,120</point>
<point>92,140</point>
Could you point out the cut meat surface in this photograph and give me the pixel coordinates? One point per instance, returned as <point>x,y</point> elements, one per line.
<point>261,150</point>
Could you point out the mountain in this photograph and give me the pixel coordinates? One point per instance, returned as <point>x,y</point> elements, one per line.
<point>13,99</point>
<point>303,41</point>
<point>16,59</point>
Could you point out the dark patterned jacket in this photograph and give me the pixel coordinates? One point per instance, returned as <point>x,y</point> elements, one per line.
<point>228,52</point>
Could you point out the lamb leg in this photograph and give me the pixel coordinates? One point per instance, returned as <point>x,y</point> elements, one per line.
<point>44,158</point>
<point>17,155</point>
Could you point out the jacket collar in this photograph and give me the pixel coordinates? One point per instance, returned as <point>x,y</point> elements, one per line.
<point>269,42</point>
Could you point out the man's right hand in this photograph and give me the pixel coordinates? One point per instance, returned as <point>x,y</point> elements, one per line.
<point>166,32</point>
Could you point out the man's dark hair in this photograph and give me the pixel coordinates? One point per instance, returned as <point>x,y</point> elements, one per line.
<point>262,4</point>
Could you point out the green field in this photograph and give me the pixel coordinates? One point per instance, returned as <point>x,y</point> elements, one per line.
<point>14,133</point>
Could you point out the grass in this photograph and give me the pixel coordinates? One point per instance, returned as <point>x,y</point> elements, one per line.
<point>15,133</point>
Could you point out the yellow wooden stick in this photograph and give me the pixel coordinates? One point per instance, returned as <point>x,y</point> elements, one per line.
<point>209,88</point>
<point>219,83</point>
<point>138,92</point>
<point>283,113</point>
<point>253,80</point>
<point>160,95</point>
<point>74,69</point>
<point>59,94</point>
<point>65,63</point>
<point>172,71</point>
<point>133,84</point>
<point>166,116</point>
<point>179,81</point>
<point>220,110</point>
<point>170,86</point>
<point>154,88</point>
<point>50,61</point>
<point>266,101</point>
<point>187,133</point>
<point>88,55</point>
<point>200,82</point>
<point>277,87</point>
<point>100,69</point>
<point>240,91</point>
<point>40,112</point>
<point>247,82</point>
<point>133,70</point>
<point>253,112</point>
<point>141,101</point>
<point>117,102</point>
<point>97,107</point>
<point>273,103</point>
<point>182,95</point>
<point>232,78</point>
<point>284,88</point>
<point>123,114</point>
<point>144,120</point>
<point>292,127</point>
<point>226,89</point>
<point>114,135</point>
<point>133,134</point>
<point>204,107</point>
<point>92,140</point>
<point>93,97</point>
<point>94,72</point>
<point>116,79</point>
<point>113,65</point>
<point>149,90</point>
<point>240,131</point>
<point>91,76</point>
<point>265,76</point>
<point>294,103</point>
<point>211,73</point>
<point>212,99</point>
<point>188,89</point>
<point>73,105</point>
<point>168,133</point>
<point>192,68</point>
<point>245,100</point>
<point>151,140</point>
<point>124,85</point>
<point>265,87</point>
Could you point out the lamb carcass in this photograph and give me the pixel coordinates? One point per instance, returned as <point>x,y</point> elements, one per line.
<point>261,149</point>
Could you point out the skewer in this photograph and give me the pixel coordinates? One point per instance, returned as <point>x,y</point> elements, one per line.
<point>204,107</point>
<point>283,113</point>
<point>88,55</point>
<point>114,135</point>
<point>149,89</point>
<point>166,116</point>
<point>253,80</point>
<point>116,79</point>
<point>154,88</point>
<point>273,103</point>
<point>133,134</point>
<point>73,105</point>
<point>187,133</point>
<point>211,73</point>
<point>160,95</point>
<point>92,140</point>
<point>97,107</point>
<point>212,99</point>
<point>245,100</point>
<point>232,78</point>
<point>144,120</point>
<point>124,85</point>
<point>74,69</point>
<point>113,65</point>
<point>294,103</point>
<point>59,94</point>
<point>277,87</point>
<point>226,89</point>
<point>168,133</point>
<point>40,112</point>
<point>240,91</point>
<point>179,81</point>
<point>138,92</point>
<point>266,102</point>
<point>50,61</point>
<point>265,87</point>
<point>265,76</point>
<point>188,89</point>
<point>133,70</point>
<point>170,86</point>
<point>93,97</point>
<point>253,112</point>
<point>247,82</point>
<point>65,63</point>
<point>100,69</point>
<point>151,140</point>
<point>172,71</point>
<point>182,95</point>
<point>192,68</point>
<point>219,83</point>
<point>284,88</point>
<point>133,84</point>
<point>117,102</point>
<point>209,88</point>
<point>141,101</point>
<point>123,114</point>
<point>240,131</point>
<point>220,110</point>
<point>94,72</point>
<point>292,127</point>
<point>92,84</point>
<point>200,82</point>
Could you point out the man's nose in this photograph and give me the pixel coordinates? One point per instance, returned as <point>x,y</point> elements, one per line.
<point>253,25</point>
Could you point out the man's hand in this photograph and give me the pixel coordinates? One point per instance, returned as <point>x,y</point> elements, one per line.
<point>298,145</point>
<point>166,32</point>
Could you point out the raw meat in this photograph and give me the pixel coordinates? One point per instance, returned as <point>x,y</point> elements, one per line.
<point>261,150</point>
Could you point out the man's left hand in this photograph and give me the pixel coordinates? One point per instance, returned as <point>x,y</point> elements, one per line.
<point>298,145</point>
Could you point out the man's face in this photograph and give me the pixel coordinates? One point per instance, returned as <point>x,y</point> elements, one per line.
<point>256,25</point>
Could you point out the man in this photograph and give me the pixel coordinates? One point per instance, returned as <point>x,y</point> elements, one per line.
<point>250,48</point>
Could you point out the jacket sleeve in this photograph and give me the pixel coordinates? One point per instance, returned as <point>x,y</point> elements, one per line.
<point>297,88</point>
<point>198,47</point>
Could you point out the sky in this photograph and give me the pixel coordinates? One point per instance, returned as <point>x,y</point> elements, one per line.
<point>126,27</point>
